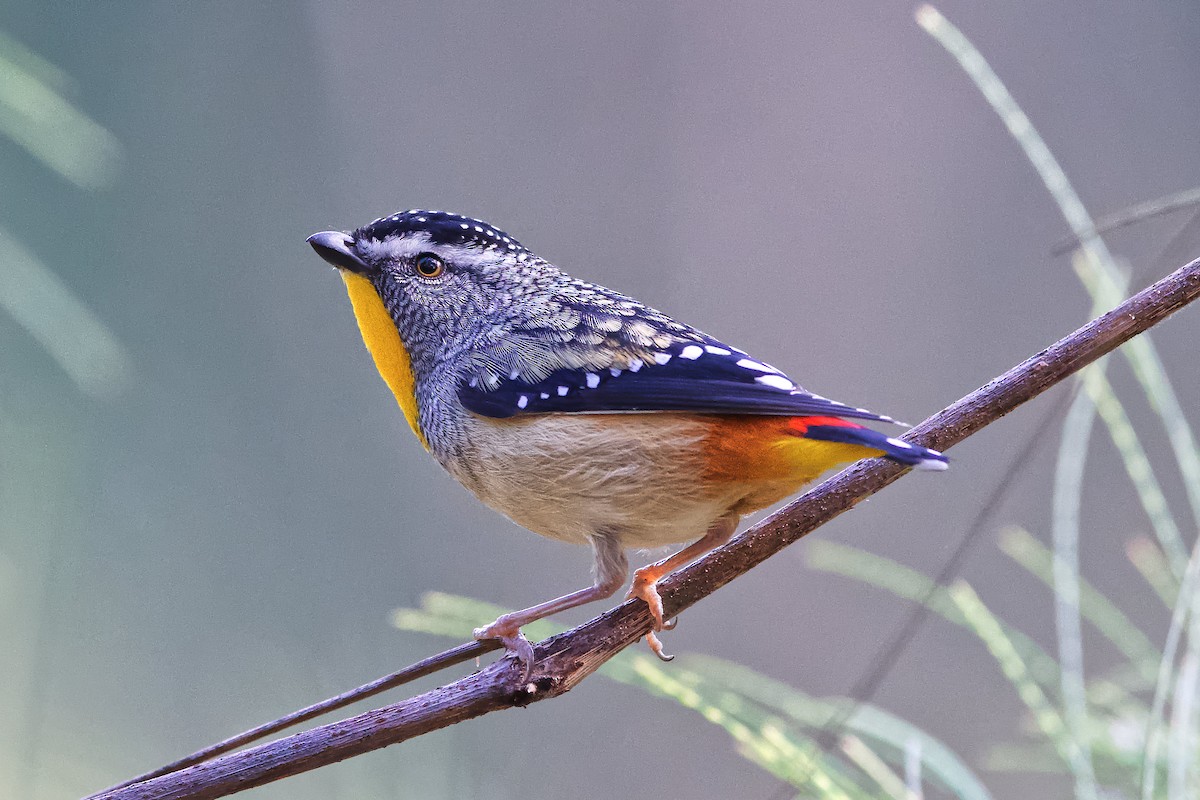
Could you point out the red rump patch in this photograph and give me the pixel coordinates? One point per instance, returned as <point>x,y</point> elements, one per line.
<point>800,425</point>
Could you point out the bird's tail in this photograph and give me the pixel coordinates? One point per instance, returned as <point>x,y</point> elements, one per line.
<point>833,429</point>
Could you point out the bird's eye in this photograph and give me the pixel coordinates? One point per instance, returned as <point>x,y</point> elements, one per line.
<point>430,266</point>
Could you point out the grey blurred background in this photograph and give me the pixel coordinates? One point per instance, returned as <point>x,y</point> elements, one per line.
<point>210,527</point>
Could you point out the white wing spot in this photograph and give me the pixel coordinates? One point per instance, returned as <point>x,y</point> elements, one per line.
<point>662,358</point>
<point>691,352</point>
<point>899,443</point>
<point>777,381</point>
<point>473,382</point>
<point>524,401</point>
<point>562,391</point>
<point>749,363</point>
<point>614,371</point>
<point>635,364</point>
<point>716,351</point>
<point>593,380</point>
<point>464,226</point>
<point>512,376</point>
<point>545,396</point>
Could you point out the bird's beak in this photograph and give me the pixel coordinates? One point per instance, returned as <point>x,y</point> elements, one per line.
<point>338,249</point>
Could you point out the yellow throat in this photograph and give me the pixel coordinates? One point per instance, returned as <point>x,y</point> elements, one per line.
<point>383,341</point>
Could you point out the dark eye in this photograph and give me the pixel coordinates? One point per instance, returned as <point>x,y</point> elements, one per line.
<point>430,266</point>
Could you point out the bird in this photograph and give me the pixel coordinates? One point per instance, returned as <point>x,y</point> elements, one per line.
<point>579,412</point>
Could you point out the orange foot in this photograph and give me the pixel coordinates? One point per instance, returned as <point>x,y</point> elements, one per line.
<point>509,634</point>
<point>645,587</point>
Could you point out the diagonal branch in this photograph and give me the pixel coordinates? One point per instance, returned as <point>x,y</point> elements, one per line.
<point>565,660</point>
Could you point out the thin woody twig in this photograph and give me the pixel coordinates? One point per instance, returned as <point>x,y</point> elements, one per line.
<point>564,660</point>
<point>426,666</point>
<point>1135,213</point>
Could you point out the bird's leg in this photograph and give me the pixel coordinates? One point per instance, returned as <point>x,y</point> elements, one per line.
<point>610,568</point>
<point>645,580</point>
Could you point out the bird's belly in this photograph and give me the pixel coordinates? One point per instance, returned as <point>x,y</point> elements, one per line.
<point>571,476</point>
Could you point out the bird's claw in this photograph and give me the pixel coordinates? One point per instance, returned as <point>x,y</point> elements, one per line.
<point>656,645</point>
<point>647,590</point>
<point>515,644</point>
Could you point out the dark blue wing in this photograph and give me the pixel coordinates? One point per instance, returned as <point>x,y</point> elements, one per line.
<point>698,377</point>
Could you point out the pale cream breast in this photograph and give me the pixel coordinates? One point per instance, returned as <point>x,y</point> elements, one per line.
<point>570,476</point>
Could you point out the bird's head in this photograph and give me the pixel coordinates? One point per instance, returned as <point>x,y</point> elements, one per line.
<point>446,281</point>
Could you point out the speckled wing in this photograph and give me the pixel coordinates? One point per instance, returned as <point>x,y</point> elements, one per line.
<point>691,373</point>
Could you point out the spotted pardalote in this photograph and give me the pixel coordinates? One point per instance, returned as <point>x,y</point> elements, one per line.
<point>579,412</point>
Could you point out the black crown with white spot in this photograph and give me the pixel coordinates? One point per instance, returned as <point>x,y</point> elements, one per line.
<point>443,228</point>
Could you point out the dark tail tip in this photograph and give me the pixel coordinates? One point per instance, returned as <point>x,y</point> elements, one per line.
<point>911,455</point>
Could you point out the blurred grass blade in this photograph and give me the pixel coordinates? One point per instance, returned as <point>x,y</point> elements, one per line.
<point>1022,758</point>
<point>761,716</point>
<point>444,614</point>
<point>870,723</point>
<point>1185,607</point>
<point>1140,352</point>
<point>1019,126</point>
<point>912,769</point>
<point>1103,281</point>
<point>901,581</point>
<point>875,767</point>
<point>73,336</point>
<point>1066,504</point>
<point>988,628</point>
<point>1077,427</point>
<point>33,64</point>
<point>1066,501</point>
<point>760,737</point>
<point>449,615</point>
<point>1022,547</point>
<point>1150,562</point>
<point>1181,748</point>
<point>38,118</point>
<point>1138,468</point>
